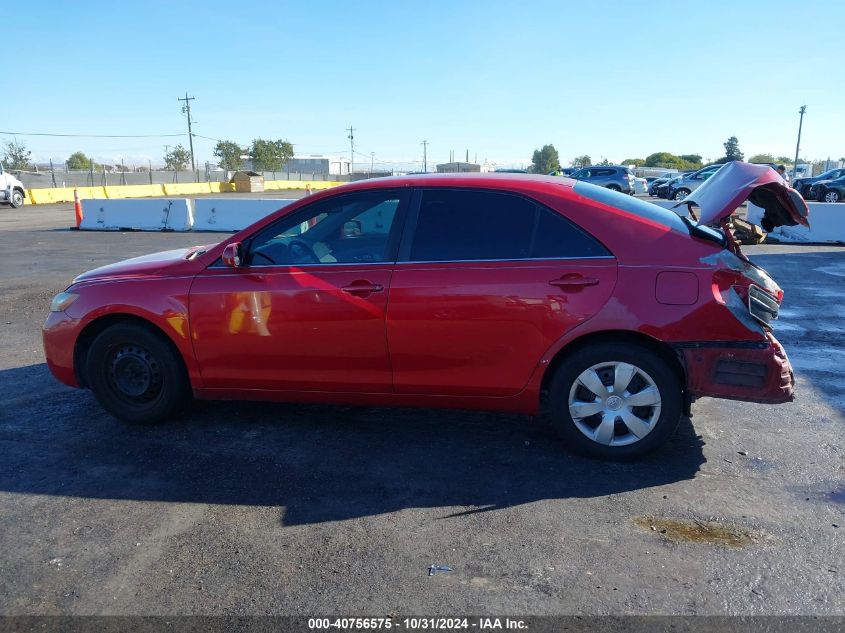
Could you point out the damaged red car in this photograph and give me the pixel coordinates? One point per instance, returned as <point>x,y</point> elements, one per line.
<point>500,292</point>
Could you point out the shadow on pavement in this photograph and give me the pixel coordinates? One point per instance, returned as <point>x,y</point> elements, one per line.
<point>318,463</point>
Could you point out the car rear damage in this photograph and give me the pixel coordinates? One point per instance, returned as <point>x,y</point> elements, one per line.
<point>756,370</point>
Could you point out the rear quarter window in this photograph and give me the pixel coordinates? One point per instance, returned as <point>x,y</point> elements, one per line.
<point>632,205</point>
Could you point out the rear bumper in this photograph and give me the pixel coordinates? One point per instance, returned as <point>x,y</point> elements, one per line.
<point>753,371</point>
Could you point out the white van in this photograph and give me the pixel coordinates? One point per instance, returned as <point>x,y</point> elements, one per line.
<point>11,189</point>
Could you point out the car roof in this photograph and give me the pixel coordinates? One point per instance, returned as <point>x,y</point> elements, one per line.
<point>489,180</point>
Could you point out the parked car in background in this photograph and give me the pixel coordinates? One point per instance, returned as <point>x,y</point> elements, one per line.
<point>613,177</point>
<point>802,185</point>
<point>829,190</point>
<point>484,291</point>
<point>12,191</point>
<point>681,187</point>
<point>662,180</point>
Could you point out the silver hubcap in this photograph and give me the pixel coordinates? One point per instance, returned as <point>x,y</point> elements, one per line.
<point>831,197</point>
<point>17,198</point>
<point>680,195</point>
<point>614,403</point>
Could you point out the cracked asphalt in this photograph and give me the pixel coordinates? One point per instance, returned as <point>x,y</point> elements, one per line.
<point>254,508</point>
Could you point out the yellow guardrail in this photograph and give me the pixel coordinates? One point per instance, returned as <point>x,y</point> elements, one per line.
<point>65,194</point>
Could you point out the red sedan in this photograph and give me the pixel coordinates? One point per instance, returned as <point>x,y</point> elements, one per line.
<point>499,292</point>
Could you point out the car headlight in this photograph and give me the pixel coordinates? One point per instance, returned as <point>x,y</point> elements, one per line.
<point>63,301</point>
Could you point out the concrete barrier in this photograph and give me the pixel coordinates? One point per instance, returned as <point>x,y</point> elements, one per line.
<point>133,191</point>
<point>157,214</point>
<point>316,185</point>
<point>50,195</point>
<point>827,224</point>
<point>233,214</point>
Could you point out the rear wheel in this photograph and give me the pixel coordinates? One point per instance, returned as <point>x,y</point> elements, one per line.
<point>135,374</point>
<point>680,194</point>
<point>615,401</point>
<point>614,187</point>
<point>17,199</point>
<point>831,196</point>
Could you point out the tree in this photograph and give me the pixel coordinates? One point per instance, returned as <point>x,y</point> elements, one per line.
<point>694,159</point>
<point>16,155</point>
<point>177,158</point>
<point>637,162</point>
<point>763,158</point>
<point>229,154</point>
<point>270,155</point>
<point>732,150</point>
<point>79,161</point>
<point>785,159</point>
<point>581,161</point>
<point>667,160</point>
<point>545,160</point>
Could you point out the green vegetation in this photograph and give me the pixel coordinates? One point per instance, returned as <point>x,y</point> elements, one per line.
<point>270,155</point>
<point>177,158</point>
<point>229,153</point>
<point>545,160</point>
<point>79,162</point>
<point>16,155</point>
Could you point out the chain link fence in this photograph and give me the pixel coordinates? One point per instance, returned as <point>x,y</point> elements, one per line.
<point>96,178</point>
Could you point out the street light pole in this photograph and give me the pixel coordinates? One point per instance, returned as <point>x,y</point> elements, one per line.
<point>425,161</point>
<point>798,144</point>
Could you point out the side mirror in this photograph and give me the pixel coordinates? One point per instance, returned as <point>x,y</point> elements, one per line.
<point>232,255</point>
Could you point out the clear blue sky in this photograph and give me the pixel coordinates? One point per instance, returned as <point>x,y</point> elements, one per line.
<point>609,79</point>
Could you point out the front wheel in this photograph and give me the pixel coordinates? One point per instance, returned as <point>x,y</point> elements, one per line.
<point>135,374</point>
<point>680,194</point>
<point>615,401</point>
<point>831,196</point>
<point>614,187</point>
<point>17,199</point>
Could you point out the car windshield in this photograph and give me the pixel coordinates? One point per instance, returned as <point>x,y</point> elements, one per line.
<point>648,210</point>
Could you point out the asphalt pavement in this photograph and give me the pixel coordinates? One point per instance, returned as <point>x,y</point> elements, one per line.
<point>255,508</point>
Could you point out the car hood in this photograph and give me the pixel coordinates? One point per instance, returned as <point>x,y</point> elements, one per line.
<point>736,182</point>
<point>154,264</point>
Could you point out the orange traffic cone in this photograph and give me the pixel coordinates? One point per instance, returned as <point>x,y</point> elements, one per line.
<point>77,207</point>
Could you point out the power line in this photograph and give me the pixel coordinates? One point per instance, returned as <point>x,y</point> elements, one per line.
<point>91,135</point>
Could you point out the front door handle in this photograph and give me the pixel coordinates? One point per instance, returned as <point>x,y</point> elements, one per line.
<point>574,282</point>
<point>362,288</point>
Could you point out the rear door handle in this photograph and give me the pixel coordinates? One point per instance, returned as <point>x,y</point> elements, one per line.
<point>362,287</point>
<point>574,282</point>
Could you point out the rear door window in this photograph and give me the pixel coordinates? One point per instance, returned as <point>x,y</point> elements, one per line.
<point>470,225</point>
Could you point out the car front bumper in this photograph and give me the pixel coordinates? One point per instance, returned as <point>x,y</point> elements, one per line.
<point>59,335</point>
<point>753,371</point>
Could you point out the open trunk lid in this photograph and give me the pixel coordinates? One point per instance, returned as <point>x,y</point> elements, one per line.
<point>737,182</point>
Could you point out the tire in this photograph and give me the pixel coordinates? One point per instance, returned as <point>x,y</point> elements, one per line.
<point>680,194</point>
<point>831,196</point>
<point>17,199</point>
<point>604,434</point>
<point>614,187</point>
<point>135,374</point>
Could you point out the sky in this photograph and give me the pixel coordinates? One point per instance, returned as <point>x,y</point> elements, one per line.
<point>610,79</point>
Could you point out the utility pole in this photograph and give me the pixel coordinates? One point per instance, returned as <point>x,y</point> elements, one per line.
<point>351,149</point>
<point>798,144</point>
<point>187,109</point>
<point>372,161</point>
<point>425,163</point>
